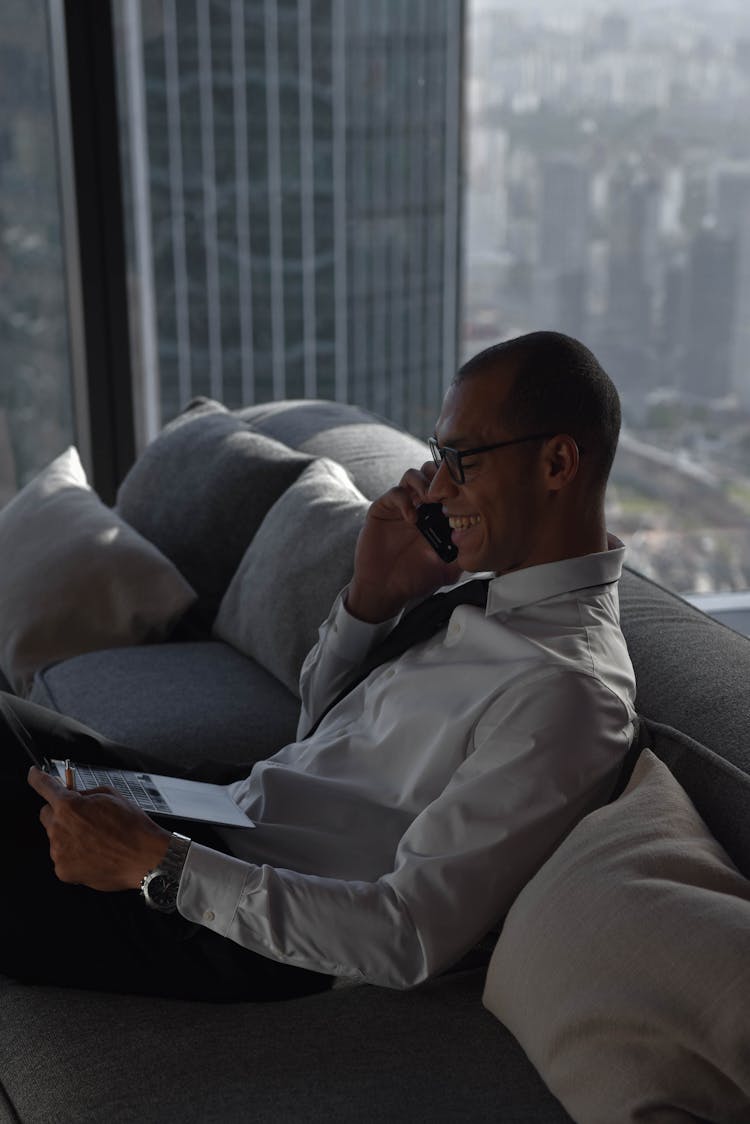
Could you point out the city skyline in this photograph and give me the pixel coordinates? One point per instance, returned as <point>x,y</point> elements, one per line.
<point>295,239</point>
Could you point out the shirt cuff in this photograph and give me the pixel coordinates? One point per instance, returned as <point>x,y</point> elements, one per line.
<point>349,637</point>
<point>210,887</point>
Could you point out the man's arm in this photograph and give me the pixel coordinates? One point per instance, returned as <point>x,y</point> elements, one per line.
<point>544,754</point>
<point>393,565</point>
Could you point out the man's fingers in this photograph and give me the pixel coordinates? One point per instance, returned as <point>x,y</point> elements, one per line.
<point>49,788</point>
<point>416,483</point>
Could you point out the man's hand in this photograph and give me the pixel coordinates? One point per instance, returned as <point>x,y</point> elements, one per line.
<point>393,562</point>
<point>97,838</point>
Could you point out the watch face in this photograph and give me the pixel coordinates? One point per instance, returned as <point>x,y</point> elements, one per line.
<point>161,891</point>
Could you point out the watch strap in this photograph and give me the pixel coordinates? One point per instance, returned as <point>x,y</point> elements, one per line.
<point>174,859</point>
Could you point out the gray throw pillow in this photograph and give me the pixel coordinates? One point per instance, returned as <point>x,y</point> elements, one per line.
<point>200,490</point>
<point>300,558</point>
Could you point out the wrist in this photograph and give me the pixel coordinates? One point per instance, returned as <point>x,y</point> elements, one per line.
<point>160,886</point>
<point>370,608</point>
<point>150,855</point>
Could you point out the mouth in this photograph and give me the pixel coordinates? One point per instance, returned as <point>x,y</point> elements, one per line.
<point>463,522</point>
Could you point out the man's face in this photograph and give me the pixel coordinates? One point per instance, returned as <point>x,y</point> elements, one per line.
<point>496,513</point>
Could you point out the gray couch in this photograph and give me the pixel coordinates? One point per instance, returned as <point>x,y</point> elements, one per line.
<point>201,492</point>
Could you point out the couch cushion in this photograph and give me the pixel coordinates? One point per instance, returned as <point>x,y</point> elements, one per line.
<point>692,672</point>
<point>623,967</point>
<point>375,452</point>
<point>200,490</point>
<point>301,557</point>
<point>192,706</point>
<point>362,1053</point>
<point>719,790</point>
<point>75,577</point>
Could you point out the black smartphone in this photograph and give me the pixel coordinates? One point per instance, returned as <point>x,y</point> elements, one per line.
<point>436,529</point>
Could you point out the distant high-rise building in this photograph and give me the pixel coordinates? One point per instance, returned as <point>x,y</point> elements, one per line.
<point>732,205</point>
<point>614,31</point>
<point>298,215</point>
<point>631,226</point>
<point>565,213</point>
<point>711,303</point>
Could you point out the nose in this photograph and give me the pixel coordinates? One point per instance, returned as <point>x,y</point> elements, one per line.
<point>442,485</point>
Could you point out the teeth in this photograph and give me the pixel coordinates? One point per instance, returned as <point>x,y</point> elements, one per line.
<point>463,522</point>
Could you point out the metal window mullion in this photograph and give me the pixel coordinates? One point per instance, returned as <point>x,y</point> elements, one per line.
<point>275,218</point>
<point>340,232</point>
<point>416,217</point>
<point>70,242</point>
<point>307,198</point>
<point>242,188</point>
<point>210,229</point>
<point>177,202</point>
<point>360,187</point>
<point>149,421</point>
<point>397,55</point>
<point>434,204</point>
<point>86,70</point>
<point>380,377</point>
<point>451,272</point>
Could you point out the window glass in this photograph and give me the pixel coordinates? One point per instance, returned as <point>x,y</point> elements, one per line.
<point>291,173</point>
<point>35,394</point>
<point>608,196</point>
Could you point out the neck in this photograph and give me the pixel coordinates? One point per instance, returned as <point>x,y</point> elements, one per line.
<point>569,539</point>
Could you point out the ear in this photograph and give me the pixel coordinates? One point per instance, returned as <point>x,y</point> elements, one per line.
<point>561,460</point>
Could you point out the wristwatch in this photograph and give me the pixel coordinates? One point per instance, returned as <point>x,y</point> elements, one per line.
<point>160,885</point>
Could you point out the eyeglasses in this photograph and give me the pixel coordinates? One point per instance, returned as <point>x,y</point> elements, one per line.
<point>454,458</point>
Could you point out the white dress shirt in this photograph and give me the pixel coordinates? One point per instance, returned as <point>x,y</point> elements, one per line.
<point>399,834</point>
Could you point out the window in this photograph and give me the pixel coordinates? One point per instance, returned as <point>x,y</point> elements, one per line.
<point>36,415</point>
<point>608,196</point>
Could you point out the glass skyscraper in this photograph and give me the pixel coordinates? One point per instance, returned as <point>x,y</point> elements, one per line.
<point>292,171</point>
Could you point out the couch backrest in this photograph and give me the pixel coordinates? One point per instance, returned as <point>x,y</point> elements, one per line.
<point>692,675</point>
<point>374,452</point>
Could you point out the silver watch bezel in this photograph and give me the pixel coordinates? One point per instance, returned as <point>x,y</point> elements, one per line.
<point>169,869</point>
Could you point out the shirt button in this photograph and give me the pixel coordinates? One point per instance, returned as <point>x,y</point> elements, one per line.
<point>209,915</point>
<point>390,673</point>
<point>455,628</point>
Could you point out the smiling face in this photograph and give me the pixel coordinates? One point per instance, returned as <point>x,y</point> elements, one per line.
<point>498,514</point>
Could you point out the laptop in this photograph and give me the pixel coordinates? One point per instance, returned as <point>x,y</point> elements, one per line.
<point>152,792</point>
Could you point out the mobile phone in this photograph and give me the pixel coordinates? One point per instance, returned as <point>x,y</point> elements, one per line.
<point>436,529</point>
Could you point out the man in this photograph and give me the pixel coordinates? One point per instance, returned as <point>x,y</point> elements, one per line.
<point>398,833</point>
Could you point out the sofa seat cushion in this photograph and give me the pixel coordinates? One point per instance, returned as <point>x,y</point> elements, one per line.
<point>364,1053</point>
<point>190,705</point>
<point>199,492</point>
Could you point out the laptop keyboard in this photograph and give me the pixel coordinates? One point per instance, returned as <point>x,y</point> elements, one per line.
<point>136,787</point>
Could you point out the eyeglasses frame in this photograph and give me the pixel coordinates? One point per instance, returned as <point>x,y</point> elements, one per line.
<point>439,451</point>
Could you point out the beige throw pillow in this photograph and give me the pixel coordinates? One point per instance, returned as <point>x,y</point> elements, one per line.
<point>75,578</point>
<point>623,968</point>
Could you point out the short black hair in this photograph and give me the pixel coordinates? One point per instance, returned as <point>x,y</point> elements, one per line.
<point>559,386</point>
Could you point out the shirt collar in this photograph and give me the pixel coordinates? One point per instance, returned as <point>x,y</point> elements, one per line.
<point>537,583</point>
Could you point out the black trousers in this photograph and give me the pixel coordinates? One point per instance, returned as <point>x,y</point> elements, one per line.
<point>55,933</point>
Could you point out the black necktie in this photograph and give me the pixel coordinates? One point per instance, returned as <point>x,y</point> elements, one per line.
<point>420,623</point>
